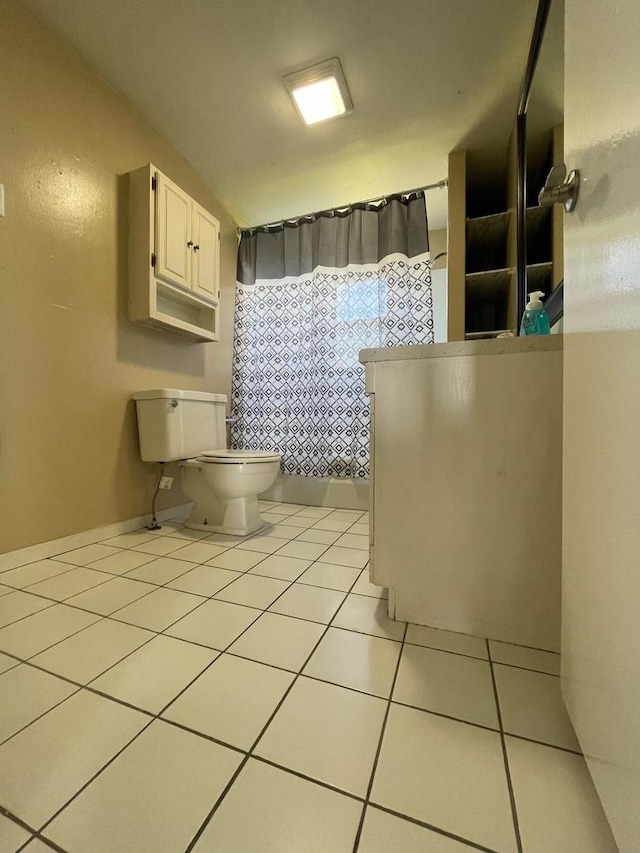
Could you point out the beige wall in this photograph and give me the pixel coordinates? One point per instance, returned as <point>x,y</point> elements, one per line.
<point>438,244</point>
<point>69,357</point>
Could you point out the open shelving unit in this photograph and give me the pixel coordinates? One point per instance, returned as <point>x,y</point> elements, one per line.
<point>487,301</point>
<point>487,276</point>
<point>482,248</point>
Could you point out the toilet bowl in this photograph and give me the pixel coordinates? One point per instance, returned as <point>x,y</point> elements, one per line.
<point>224,486</point>
<point>173,426</point>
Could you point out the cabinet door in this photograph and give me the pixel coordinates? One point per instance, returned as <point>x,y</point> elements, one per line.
<point>206,253</point>
<point>173,232</point>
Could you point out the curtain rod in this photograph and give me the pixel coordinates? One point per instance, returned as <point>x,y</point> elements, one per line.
<point>534,52</point>
<point>331,211</point>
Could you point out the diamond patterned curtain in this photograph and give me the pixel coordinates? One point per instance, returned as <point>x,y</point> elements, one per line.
<point>298,388</point>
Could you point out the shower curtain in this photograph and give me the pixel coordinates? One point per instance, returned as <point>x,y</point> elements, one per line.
<point>309,297</point>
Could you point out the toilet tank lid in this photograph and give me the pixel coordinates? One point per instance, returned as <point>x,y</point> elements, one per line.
<point>176,394</point>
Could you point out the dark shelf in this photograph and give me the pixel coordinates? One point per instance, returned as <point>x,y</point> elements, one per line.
<point>538,213</point>
<point>486,242</point>
<point>539,162</point>
<point>539,235</point>
<point>489,283</point>
<point>539,277</point>
<point>487,300</point>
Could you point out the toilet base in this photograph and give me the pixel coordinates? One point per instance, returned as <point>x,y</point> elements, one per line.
<point>218,528</point>
<point>239,517</point>
<point>225,497</point>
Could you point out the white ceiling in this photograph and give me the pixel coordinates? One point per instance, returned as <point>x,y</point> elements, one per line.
<point>425,76</point>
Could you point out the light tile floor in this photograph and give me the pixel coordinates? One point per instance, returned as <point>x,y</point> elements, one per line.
<point>250,695</point>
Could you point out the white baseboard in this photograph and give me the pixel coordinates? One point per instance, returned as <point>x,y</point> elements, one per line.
<point>13,559</point>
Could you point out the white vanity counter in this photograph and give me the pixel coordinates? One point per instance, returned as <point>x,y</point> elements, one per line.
<point>466,450</point>
<point>493,346</point>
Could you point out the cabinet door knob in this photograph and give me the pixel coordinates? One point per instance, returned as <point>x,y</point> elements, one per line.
<point>196,247</point>
<point>189,244</point>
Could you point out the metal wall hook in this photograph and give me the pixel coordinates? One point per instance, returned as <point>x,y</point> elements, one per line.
<point>560,189</point>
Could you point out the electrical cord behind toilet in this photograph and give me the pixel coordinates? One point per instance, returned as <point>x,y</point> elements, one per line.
<point>154,521</point>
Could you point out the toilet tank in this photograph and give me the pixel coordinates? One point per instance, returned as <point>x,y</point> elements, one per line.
<point>175,424</point>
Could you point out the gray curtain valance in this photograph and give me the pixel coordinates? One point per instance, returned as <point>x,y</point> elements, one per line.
<point>358,236</point>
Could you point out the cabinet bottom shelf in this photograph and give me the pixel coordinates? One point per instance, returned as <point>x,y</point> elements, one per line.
<point>181,313</point>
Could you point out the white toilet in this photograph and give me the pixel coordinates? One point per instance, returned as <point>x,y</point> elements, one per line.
<point>189,427</point>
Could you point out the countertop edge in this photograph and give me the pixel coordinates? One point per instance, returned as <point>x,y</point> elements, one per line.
<point>494,346</point>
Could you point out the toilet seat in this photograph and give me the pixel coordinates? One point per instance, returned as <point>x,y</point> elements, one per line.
<point>237,457</point>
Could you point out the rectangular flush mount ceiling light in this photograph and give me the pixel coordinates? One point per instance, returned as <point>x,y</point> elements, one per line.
<point>319,92</point>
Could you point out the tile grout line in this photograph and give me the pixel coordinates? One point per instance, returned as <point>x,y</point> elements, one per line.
<point>52,845</point>
<point>52,708</point>
<point>156,717</point>
<point>165,585</point>
<point>87,686</point>
<point>544,743</point>
<point>109,576</point>
<point>170,535</point>
<point>113,576</point>
<point>154,558</point>
<point>519,646</point>
<point>263,760</point>
<point>111,616</point>
<point>95,776</point>
<point>22,618</point>
<point>475,657</point>
<point>406,817</point>
<point>271,533</point>
<point>71,567</point>
<point>101,617</point>
<point>356,842</point>
<point>505,757</point>
<point>432,828</point>
<point>227,651</point>
<point>210,738</point>
<point>526,669</point>
<point>299,674</point>
<point>249,755</point>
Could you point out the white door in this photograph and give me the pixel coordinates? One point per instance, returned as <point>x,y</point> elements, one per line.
<point>173,235</point>
<point>206,248</point>
<point>601,553</point>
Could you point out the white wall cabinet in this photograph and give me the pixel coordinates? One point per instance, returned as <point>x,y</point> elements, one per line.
<point>205,231</point>
<point>174,258</point>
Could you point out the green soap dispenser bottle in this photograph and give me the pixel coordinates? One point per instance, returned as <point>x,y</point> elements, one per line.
<point>535,320</point>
